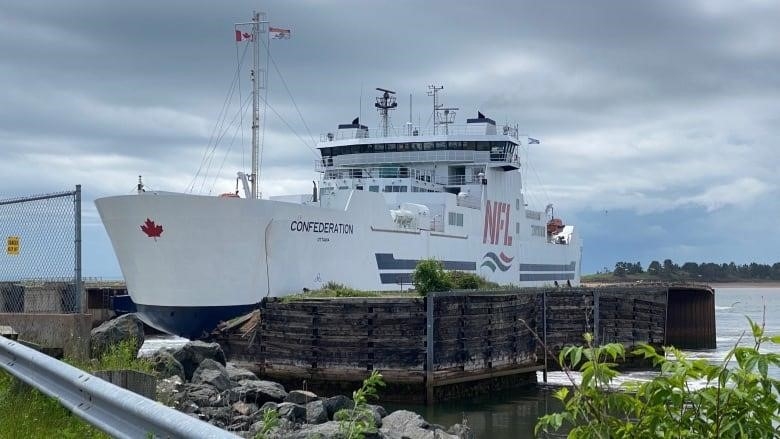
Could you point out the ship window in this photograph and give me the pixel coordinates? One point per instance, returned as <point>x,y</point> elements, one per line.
<point>538,231</point>
<point>343,187</point>
<point>359,187</point>
<point>440,145</point>
<point>379,147</point>
<point>455,219</point>
<point>517,228</point>
<point>391,147</point>
<point>417,146</point>
<point>517,205</point>
<point>471,146</point>
<point>483,146</point>
<point>403,147</point>
<point>373,188</point>
<point>454,145</point>
<point>428,146</point>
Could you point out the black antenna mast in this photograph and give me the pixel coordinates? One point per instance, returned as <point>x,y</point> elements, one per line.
<point>384,104</point>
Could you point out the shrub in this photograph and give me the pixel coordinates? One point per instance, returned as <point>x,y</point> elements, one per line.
<point>429,276</point>
<point>734,402</point>
<point>461,280</point>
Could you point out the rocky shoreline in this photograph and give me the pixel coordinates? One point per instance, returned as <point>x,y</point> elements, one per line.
<point>197,380</point>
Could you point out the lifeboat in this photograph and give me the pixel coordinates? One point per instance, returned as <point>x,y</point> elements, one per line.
<point>554,226</point>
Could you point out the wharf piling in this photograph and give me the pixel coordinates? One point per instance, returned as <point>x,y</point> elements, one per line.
<point>458,344</point>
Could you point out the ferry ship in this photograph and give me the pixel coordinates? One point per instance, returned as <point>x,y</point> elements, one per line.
<point>386,199</point>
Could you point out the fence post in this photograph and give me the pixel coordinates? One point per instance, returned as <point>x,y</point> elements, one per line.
<point>596,313</point>
<point>80,295</point>
<point>544,333</point>
<point>429,301</point>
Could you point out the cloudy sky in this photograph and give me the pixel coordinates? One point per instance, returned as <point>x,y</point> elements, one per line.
<point>658,120</point>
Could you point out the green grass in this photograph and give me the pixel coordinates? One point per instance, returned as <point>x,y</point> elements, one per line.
<point>27,413</point>
<point>333,289</point>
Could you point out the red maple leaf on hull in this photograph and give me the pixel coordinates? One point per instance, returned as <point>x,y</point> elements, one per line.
<point>151,229</point>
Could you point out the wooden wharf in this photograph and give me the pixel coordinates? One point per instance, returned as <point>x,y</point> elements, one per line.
<point>458,344</point>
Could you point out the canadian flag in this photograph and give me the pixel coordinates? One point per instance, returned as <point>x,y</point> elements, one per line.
<point>243,36</point>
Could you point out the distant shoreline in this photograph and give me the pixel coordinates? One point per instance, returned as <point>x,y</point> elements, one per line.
<point>737,284</point>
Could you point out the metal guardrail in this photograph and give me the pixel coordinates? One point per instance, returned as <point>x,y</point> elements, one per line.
<point>117,411</point>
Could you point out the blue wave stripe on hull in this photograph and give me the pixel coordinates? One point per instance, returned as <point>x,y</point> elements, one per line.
<point>545,276</point>
<point>548,267</point>
<point>387,261</point>
<point>395,278</point>
<point>189,321</point>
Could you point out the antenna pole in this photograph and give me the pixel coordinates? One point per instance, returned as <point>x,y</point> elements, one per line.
<point>410,115</point>
<point>255,102</point>
<point>383,104</point>
<point>434,91</point>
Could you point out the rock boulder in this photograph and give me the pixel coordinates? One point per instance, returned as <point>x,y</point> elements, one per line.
<point>212,373</point>
<point>112,332</point>
<point>166,365</point>
<point>193,353</point>
<point>258,391</point>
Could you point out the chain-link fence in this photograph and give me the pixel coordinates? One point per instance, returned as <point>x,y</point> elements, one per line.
<point>40,262</point>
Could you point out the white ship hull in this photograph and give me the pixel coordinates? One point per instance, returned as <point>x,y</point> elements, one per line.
<point>215,257</point>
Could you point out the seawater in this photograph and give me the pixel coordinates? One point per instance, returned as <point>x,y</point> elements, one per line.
<point>513,414</point>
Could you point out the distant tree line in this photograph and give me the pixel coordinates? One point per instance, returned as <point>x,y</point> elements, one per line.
<point>706,271</point>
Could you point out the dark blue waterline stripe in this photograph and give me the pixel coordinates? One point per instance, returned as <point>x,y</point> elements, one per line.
<point>189,321</point>
<point>548,267</point>
<point>386,261</point>
<point>395,278</point>
<point>526,277</point>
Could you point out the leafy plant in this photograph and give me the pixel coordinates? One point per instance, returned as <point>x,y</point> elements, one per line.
<point>429,276</point>
<point>734,402</point>
<point>270,421</point>
<point>355,423</point>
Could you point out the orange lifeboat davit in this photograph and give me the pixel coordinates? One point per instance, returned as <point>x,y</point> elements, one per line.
<point>554,226</point>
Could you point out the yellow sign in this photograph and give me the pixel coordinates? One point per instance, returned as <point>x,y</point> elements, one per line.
<point>12,245</point>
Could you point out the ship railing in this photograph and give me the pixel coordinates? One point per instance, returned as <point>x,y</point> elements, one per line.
<point>457,180</point>
<point>533,214</point>
<point>375,158</point>
<point>449,130</point>
<point>378,172</point>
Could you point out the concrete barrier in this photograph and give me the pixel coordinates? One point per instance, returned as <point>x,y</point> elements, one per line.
<point>69,332</point>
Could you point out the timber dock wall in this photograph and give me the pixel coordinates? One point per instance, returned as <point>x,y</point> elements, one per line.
<point>457,344</point>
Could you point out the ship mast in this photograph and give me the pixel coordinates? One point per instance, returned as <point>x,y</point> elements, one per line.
<point>257,77</point>
<point>255,103</point>
<point>383,104</point>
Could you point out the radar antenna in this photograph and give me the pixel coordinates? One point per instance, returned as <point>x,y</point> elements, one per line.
<point>441,115</point>
<point>384,104</point>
